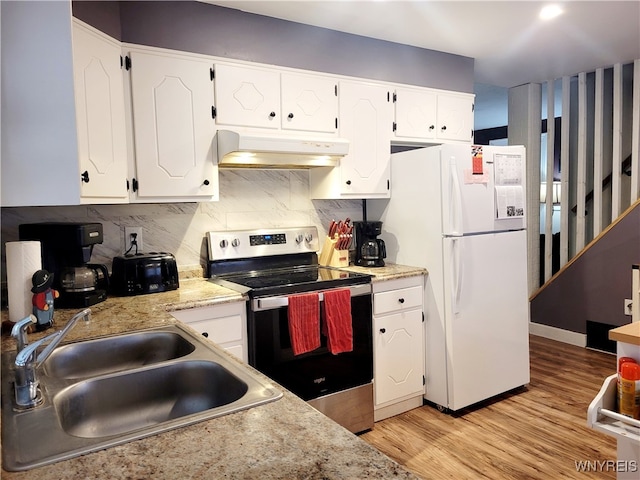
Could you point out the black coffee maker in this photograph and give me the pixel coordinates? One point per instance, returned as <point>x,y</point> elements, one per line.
<point>370,250</point>
<point>66,252</point>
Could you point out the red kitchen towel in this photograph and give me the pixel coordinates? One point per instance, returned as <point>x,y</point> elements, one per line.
<point>337,320</point>
<point>304,322</point>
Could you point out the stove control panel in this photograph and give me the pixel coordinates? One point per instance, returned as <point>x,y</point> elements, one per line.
<point>268,239</point>
<point>229,245</point>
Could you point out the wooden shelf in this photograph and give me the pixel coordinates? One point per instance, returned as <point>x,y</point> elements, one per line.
<point>629,333</point>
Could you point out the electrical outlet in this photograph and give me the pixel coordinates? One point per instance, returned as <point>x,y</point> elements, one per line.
<point>133,234</point>
<point>627,306</point>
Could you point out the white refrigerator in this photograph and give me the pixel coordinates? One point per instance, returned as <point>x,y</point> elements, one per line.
<point>459,211</point>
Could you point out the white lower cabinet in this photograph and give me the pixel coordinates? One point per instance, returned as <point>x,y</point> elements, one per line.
<point>224,324</point>
<point>398,346</point>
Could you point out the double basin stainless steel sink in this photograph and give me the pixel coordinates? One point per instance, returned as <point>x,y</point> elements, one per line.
<point>111,390</point>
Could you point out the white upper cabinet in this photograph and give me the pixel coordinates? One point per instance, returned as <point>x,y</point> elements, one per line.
<point>247,97</point>
<point>172,101</point>
<point>426,114</point>
<point>309,103</point>
<point>455,117</point>
<point>100,114</point>
<point>252,97</point>
<point>366,115</point>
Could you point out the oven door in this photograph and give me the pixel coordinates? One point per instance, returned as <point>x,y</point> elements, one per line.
<point>317,373</point>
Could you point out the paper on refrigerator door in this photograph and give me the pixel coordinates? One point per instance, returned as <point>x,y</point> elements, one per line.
<point>509,201</point>
<point>508,173</point>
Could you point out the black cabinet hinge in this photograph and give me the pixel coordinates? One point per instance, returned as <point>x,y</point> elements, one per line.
<point>335,90</point>
<point>214,112</point>
<point>127,184</point>
<point>121,61</point>
<point>127,62</point>
<point>424,380</point>
<point>473,107</point>
<point>388,185</point>
<point>395,126</point>
<point>212,74</point>
<point>395,97</point>
<point>336,123</point>
<point>422,317</point>
<point>135,185</point>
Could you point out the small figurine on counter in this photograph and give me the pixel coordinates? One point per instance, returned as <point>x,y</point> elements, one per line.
<point>43,298</point>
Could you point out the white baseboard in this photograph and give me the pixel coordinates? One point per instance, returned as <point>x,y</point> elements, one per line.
<point>554,333</point>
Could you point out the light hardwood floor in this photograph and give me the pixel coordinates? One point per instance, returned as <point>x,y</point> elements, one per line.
<point>537,432</point>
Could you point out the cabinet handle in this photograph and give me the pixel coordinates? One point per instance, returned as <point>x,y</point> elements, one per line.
<point>348,182</point>
<point>205,334</point>
<point>444,127</point>
<point>290,115</point>
<point>431,127</point>
<point>272,114</point>
<point>401,300</point>
<point>85,176</point>
<point>383,330</point>
<point>206,182</point>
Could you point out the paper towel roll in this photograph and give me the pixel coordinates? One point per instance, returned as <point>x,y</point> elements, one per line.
<point>23,260</point>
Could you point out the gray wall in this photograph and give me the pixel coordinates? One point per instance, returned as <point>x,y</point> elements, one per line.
<point>595,285</point>
<point>211,30</point>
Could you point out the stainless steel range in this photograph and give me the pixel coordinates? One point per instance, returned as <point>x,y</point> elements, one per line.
<point>271,266</point>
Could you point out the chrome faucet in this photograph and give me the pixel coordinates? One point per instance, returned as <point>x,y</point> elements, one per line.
<point>27,361</point>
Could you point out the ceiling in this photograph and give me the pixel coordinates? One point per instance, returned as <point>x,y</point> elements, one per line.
<point>510,44</point>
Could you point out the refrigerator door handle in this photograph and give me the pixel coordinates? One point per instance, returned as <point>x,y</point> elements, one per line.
<point>457,269</point>
<point>455,199</point>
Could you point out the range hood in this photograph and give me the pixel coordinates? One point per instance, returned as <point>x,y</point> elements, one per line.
<point>242,150</point>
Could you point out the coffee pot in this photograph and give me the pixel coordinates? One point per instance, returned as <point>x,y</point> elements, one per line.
<point>86,278</point>
<point>66,252</point>
<point>370,251</point>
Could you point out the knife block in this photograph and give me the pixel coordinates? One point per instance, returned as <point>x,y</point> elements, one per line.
<point>339,258</point>
<point>332,257</point>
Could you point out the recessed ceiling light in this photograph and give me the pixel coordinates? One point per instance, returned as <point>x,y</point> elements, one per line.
<point>550,11</point>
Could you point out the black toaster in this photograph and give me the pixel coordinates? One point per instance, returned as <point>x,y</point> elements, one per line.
<point>142,273</point>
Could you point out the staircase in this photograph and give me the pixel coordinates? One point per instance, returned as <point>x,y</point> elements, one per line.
<point>593,152</point>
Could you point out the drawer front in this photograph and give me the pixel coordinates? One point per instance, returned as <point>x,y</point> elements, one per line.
<point>395,300</point>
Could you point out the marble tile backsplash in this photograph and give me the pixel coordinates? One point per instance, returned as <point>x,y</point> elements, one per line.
<point>248,199</point>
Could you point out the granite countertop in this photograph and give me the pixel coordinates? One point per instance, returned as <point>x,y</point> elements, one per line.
<point>388,272</point>
<point>285,439</point>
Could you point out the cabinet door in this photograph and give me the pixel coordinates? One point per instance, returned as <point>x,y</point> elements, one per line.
<point>172,98</point>
<point>247,97</point>
<point>309,103</point>
<point>100,114</point>
<point>398,355</point>
<point>415,113</point>
<point>223,324</point>
<point>455,117</point>
<point>366,117</point>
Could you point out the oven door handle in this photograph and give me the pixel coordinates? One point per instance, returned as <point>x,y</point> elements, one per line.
<point>272,303</point>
